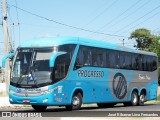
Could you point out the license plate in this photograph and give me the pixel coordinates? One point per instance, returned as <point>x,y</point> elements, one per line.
<point>26,101</point>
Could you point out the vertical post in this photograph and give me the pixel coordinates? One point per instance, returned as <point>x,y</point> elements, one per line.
<point>123,42</point>
<point>4,16</point>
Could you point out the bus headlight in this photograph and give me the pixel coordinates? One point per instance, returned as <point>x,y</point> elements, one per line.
<point>48,91</point>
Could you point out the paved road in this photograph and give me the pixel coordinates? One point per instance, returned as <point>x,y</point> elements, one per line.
<point>92,111</point>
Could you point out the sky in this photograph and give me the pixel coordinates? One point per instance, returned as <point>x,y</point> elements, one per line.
<point>108,20</point>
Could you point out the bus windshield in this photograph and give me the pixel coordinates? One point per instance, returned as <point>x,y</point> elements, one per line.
<point>31,66</point>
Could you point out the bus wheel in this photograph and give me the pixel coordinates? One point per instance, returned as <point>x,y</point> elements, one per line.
<point>141,99</point>
<point>39,107</point>
<point>134,98</point>
<point>105,105</point>
<point>76,102</point>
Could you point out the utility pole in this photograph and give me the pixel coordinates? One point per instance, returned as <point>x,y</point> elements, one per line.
<point>4,17</point>
<point>123,42</point>
<point>10,40</point>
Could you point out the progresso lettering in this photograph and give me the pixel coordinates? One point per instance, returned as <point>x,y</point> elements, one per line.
<point>90,73</point>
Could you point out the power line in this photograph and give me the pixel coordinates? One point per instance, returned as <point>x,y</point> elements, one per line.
<point>66,25</point>
<point>141,22</point>
<point>130,14</point>
<point>156,28</point>
<point>117,17</point>
<point>93,12</point>
<point>137,19</point>
<point>18,21</point>
<point>108,7</point>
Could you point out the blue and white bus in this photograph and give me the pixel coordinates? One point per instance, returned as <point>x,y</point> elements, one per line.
<point>71,71</point>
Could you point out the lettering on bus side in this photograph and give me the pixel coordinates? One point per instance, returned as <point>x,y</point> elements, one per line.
<point>91,73</point>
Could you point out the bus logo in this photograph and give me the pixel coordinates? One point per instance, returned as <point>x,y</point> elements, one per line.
<point>119,86</point>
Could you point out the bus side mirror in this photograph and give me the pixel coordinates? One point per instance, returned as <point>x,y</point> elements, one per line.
<point>53,58</point>
<point>10,55</point>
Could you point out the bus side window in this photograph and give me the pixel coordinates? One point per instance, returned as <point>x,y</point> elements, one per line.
<point>140,64</point>
<point>122,60</point>
<point>145,62</point>
<point>154,63</point>
<point>134,62</point>
<point>97,57</point>
<point>84,57</point>
<point>114,59</point>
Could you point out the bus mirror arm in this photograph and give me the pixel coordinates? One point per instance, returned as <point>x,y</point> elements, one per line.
<point>10,55</point>
<point>54,56</point>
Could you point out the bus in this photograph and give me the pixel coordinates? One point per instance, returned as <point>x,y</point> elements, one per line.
<point>71,71</point>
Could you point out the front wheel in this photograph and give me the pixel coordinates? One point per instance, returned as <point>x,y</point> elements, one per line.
<point>39,107</point>
<point>76,102</point>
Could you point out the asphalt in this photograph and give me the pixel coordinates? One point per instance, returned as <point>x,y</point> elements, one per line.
<point>92,111</point>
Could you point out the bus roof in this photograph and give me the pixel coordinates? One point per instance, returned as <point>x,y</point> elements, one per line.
<point>56,41</point>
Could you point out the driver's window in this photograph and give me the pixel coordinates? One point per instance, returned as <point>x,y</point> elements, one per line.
<point>61,66</point>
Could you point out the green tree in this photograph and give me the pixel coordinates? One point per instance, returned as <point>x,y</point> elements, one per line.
<point>143,38</point>
<point>155,47</point>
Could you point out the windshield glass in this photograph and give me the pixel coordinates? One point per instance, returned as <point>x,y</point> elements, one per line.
<point>31,66</point>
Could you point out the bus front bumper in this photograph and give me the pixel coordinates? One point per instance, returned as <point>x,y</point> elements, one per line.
<point>50,99</point>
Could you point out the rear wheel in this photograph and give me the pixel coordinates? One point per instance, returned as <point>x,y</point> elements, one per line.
<point>134,100</point>
<point>39,107</point>
<point>76,102</point>
<point>141,99</point>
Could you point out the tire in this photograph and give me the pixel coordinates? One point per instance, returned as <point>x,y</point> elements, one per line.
<point>105,105</point>
<point>141,99</point>
<point>39,107</point>
<point>76,102</point>
<point>134,98</point>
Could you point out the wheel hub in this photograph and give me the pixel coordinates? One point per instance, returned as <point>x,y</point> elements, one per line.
<point>134,98</point>
<point>142,98</point>
<point>76,101</point>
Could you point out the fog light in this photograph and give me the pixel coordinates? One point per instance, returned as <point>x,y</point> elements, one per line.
<point>10,99</point>
<point>45,100</point>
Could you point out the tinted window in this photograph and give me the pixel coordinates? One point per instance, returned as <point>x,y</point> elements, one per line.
<point>113,58</point>
<point>135,62</point>
<point>125,60</point>
<point>84,57</point>
<point>98,57</point>
<point>154,63</point>
<point>140,64</point>
<point>62,62</point>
